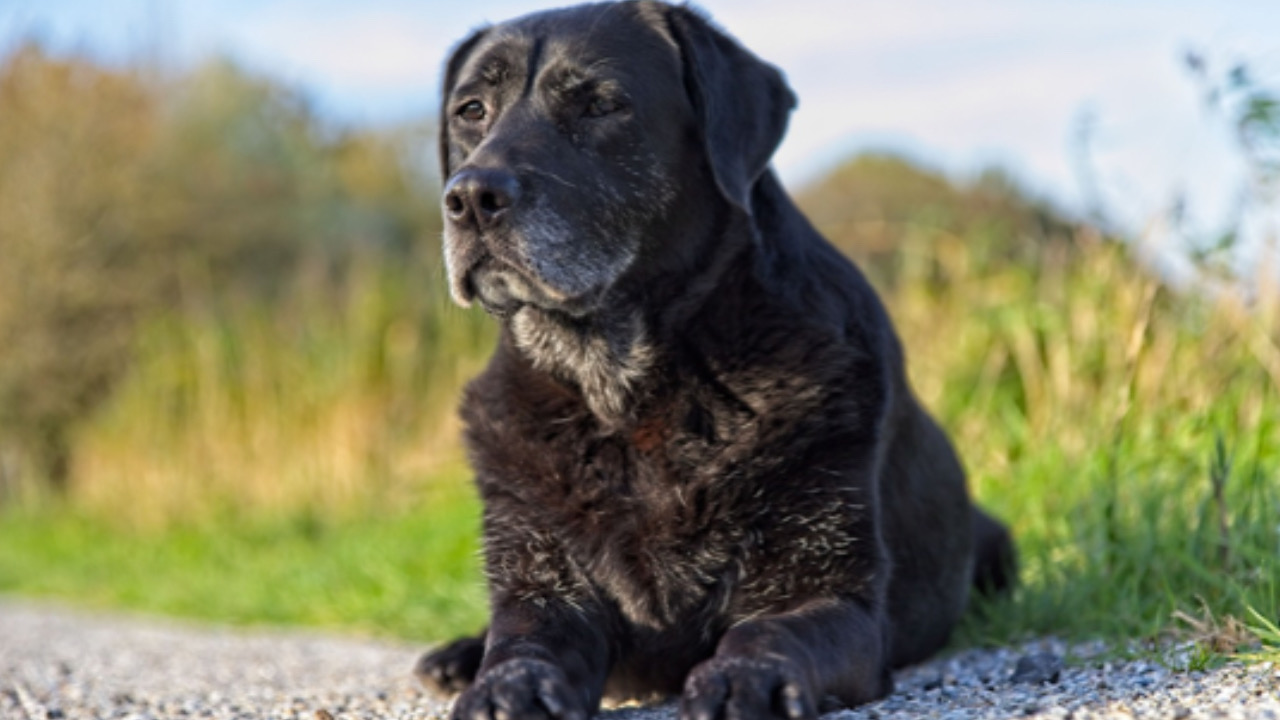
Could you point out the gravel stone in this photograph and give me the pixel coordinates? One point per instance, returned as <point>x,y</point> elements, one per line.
<point>59,664</point>
<point>1038,668</point>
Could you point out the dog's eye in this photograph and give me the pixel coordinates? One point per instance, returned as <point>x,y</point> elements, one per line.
<point>601,106</point>
<point>472,111</point>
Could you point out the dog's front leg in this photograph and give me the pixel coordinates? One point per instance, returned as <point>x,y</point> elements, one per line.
<point>544,660</point>
<point>782,665</point>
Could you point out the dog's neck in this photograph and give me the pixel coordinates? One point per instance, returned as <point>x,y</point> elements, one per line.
<point>607,359</point>
<point>611,356</point>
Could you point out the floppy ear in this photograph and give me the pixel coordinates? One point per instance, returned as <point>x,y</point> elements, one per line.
<point>742,103</point>
<point>451,69</point>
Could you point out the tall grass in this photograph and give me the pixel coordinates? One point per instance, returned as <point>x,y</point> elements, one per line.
<point>1128,431</point>
<point>334,411</point>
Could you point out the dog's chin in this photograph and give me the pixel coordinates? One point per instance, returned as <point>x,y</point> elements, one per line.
<point>502,291</point>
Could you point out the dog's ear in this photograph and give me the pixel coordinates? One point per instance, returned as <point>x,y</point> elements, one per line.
<point>451,69</point>
<point>742,103</point>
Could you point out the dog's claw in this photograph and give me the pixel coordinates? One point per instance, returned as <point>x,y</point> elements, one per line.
<point>520,689</point>
<point>745,688</point>
<point>793,701</point>
<point>451,668</point>
<point>704,693</point>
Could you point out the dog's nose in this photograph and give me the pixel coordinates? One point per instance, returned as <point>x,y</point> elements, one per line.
<point>484,194</point>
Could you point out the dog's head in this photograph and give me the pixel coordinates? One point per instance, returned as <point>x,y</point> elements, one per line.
<point>577,143</point>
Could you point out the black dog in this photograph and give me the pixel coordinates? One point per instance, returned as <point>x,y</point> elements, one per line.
<point>701,464</point>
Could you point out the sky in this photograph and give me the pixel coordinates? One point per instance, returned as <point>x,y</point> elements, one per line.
<point>956,85</point>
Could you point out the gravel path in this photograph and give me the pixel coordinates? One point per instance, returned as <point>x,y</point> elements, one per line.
<point>61,664</point>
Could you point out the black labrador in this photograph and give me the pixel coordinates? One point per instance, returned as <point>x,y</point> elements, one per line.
<point>702,467</point>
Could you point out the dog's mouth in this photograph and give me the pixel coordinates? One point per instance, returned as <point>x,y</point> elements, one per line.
<point>476,274</point>
<point>499,287</point>
<point>502,288</point>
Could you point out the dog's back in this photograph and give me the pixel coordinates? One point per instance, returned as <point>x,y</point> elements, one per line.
<point>937,544</point>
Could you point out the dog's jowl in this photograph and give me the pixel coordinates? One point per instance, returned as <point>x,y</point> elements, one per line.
<point>703,471</point>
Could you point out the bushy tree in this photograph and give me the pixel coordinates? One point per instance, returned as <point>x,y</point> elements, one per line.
<point>74,270</point>
<point>877,205</point>
<point>125,194</point>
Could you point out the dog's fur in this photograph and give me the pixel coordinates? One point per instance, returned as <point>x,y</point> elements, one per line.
<point>701,464</point>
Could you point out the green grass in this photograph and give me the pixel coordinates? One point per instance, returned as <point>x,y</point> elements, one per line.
<point>1115,547</point>
<point>1268,634</point>
<point>408,574</point>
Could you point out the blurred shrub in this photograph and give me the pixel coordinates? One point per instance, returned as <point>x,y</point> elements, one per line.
<point>133,200</point>
<point>885,212</point>
<point>1249,110</point>
<point>256,189</point>
<point>75,270</point>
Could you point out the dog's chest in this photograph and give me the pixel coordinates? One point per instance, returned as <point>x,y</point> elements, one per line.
<point>676,521</point>
<point>655,532</point>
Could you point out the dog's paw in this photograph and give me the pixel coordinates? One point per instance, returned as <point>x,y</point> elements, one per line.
<point>742,688</point>
<point>520,689</point>
<point>451,668</point>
